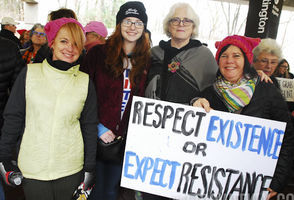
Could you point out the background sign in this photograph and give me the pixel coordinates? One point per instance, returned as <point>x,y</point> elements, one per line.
<point>287,88</point>
<point>263,18</point>
<point>182,152</point>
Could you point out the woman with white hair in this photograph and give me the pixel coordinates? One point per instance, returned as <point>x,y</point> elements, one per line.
<point>267,56</point>
<point>182,66</point>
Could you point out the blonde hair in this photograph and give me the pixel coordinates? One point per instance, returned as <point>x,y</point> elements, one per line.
<point>191,15</point>
<point>76,34</point>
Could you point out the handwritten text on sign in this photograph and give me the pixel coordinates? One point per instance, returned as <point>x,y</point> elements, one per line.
<point>287,88</point>
<point>182,152</point>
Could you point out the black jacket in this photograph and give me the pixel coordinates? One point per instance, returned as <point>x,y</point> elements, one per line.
<point>267,102</point>
<point>196,71</point>
<point>10,36</point>
<point>10,65</point>
<point>42,54</point>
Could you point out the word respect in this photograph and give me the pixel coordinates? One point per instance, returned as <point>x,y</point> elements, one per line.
<point>157,116</point>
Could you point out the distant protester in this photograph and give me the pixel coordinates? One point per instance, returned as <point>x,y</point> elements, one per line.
<point>8,29</point>
<point>62,12</point>
<point>24,38</point>
<point>96,32</point>
<point>283,70</point>
<point>267,56</point>
<point>37,40</point>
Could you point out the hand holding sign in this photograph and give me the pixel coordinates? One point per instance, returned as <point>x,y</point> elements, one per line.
<point>181,152</point>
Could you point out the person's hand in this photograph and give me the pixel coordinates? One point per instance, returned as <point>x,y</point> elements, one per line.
<point>270,194</point>
<point>202,103</point>
<point>107,137</point>
<point>86,186</point>
<point>263,76</point>
<point>10,173</point>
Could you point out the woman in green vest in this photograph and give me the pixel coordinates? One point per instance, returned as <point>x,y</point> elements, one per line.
<point>52,108</point>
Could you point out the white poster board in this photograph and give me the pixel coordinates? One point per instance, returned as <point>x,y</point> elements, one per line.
<point>287,88</point>
<point>182,152</point>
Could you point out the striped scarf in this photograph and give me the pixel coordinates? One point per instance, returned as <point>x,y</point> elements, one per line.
<point>235,96</point>
<point>29,55</point>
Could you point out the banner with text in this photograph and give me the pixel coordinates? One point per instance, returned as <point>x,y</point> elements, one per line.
<point>182,152</point>
<point>263,18</point>
<point>287,87</point>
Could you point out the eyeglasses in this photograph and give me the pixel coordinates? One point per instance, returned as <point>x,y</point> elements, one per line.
<point>177,21</point>
<point>284,66</point>
<point>39,33</point>
<point>129,23</point>
<point>265,61</point>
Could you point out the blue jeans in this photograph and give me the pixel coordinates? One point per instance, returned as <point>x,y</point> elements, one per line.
<point>107,181</point>
<point>2,196</point>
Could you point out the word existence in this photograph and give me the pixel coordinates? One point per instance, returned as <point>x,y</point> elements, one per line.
<point>198,179</point>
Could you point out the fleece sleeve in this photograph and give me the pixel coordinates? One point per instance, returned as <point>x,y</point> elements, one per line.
<point>89,124</point>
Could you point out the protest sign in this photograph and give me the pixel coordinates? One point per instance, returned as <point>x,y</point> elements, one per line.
<point>182,152</point>
<point>287,87</point>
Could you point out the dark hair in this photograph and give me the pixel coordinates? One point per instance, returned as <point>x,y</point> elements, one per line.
<point>149,35</point>
<point>277,70</point>
<point>115,55</point>
<point>62,12</point>
<point>38,25</point>
<point>249,72</point>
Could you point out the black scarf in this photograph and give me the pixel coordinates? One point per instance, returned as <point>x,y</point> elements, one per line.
<point>169,53</point>
<point>59,64</point>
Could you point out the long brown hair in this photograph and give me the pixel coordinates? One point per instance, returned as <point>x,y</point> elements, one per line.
<point>116,55</point>
<point>277,70</point>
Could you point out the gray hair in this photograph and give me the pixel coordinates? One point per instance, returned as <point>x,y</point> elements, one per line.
<point>38,25</point>
<point>269,46</point>
<point>191,15</point>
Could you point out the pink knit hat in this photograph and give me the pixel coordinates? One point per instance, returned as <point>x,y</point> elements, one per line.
<point>52,27</point>
<point>247,44</point>
<point>97,27</point>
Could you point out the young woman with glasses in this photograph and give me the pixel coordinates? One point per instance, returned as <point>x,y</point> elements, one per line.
<point>119,70</point>
<point>283,70</point>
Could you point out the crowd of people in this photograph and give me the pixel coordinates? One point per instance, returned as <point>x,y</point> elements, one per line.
<point>66,89</point>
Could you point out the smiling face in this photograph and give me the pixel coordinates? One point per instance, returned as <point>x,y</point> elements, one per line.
<point>37,37</point>
<point>231,64</point>
<point>283,68</point>
<point>64,47</point>
<point>130,30</point>
<point>181,32</point>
